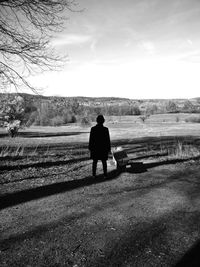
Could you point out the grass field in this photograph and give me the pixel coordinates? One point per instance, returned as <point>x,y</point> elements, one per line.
<point>41,149</point>
<point>158,129</point>
<point>124,127</point>
<point>161,130</point>
<point>53,213</point>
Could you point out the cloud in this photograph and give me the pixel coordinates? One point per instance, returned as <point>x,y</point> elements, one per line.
<point>93,45</point>
<point>72,39</point>
<point>192,56</point>
<point>148,46</point>
<point>189,42</point>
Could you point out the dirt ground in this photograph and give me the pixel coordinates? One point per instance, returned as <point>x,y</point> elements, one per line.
<point>147,216</point>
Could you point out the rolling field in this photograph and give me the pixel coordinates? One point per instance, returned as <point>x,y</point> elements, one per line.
<point>53,213</point>
<point>38,151</point>
<point>124,127</point>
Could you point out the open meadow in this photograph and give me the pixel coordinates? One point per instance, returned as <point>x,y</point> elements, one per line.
<point>54,213</point>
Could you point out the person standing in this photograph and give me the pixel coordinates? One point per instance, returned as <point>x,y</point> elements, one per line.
<point>99,145</point>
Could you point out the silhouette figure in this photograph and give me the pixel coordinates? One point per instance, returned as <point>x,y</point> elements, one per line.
<point>99,145</point>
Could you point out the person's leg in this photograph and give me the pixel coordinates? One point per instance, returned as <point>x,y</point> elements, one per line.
<point>104,163</point>
<point>94,167</point>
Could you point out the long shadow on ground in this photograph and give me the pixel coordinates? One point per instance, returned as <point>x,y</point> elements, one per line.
<point>30,194</point>
<point>147,243</point>
<point>138,239</point>
<point>42,134</point>
<point>139,167</point>
<point>191,257</point>
<point>142,144</point>
<point>135,146</point>
<point>45,164</point>
<point>12,199</point>
<point>34,177</point>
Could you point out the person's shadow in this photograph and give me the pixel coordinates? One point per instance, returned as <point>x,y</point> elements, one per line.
<point>191,257</point>
<point>12,199</point>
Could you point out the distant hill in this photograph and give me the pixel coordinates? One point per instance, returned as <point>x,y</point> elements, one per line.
<point>102,101</point>
<point>107,100</point>
<point>55,110</point>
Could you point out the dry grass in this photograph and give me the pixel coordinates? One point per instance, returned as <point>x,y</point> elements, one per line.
<point>181,150</point>
<point>45,142</point>
<point>9,151</point>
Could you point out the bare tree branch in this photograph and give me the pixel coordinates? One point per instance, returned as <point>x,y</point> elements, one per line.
<point>26,27</point>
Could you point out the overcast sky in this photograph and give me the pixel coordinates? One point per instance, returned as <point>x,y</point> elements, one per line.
<point>129,48</point>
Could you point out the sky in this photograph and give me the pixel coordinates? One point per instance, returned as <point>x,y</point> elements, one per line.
<point>132,48</point>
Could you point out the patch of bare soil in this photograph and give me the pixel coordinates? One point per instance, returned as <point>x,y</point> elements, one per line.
<point>58,215</point>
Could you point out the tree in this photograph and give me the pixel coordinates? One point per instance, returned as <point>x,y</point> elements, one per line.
<point>188,107</point>
<point>151,109</point>
<point>136,110</point>
<point>144,117</point>
<point>26,27</point>
<point>12,107</point>
<point>171,107</point>
<point>11,113</point>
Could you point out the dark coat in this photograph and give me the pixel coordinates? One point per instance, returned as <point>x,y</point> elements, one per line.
<point>99,142</point>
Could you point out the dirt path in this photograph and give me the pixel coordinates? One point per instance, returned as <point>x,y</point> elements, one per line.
<point>133,219</point>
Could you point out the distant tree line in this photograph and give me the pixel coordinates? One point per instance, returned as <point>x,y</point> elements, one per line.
<point>56,111</point>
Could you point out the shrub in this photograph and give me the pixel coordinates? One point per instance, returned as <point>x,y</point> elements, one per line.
<point>73,119</point>
<point>13,127</point>
<point>177,119</point>
<point>144,117</point>
<point>85,121</point>
<point>69,118</point>
<point>136,110</point>
<point>194,119</point>
<point>57,121</point>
